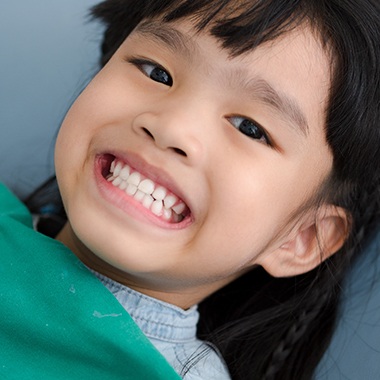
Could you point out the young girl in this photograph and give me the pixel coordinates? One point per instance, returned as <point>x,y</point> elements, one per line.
<point>227,156</point>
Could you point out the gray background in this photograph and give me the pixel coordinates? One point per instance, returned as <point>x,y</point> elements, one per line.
<point>48,51</point>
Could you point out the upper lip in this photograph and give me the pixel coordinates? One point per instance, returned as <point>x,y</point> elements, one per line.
<point>156,174</point>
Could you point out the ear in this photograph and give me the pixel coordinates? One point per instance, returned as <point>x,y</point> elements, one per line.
<point>316,237</point>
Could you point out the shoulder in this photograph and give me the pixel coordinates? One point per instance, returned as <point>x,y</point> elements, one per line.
<point>12,207</point>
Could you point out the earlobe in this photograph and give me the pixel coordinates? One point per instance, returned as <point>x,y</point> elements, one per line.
<point>312,242</point>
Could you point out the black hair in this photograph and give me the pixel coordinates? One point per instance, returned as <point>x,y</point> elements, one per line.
<point>273,328</point>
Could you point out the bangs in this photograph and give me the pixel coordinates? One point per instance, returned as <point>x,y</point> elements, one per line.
<point>239,25</point>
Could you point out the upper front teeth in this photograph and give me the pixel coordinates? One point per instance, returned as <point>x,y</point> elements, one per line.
<point>154,197</point>
<point>146,186</point>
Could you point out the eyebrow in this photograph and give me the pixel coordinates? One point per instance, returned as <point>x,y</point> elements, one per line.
<point>172,38</point>
<point>261,90</point>
<point>257,88</point>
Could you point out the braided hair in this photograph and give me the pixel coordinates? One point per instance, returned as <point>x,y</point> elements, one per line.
<point>293,335</point>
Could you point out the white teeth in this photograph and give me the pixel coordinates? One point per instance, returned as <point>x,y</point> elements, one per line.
<point>113,164</point>
<point>160,193</point>
<point>170,200</point>
<point>131,189</point>
<point>147,186</point>
<point>134,179</point>
<point>117,169</point>
<point>179,208</point>
<point>124,173</point>
<point>139,195</point>
<point>123,185</point>
<point>117,181</point>
<point>157,208</point>
<point>144,190</point>
<point>167,214</point>
<point>147,201</point>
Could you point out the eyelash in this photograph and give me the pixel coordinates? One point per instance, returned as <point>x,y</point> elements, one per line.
<point>159,74</point>
<point>250,128</point>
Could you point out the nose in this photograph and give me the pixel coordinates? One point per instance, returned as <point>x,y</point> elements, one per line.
<point>175,131</point>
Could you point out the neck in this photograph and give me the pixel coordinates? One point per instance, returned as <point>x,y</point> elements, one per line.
<point>183,297</point>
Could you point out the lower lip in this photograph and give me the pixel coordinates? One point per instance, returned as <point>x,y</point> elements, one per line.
<point>129,205</point>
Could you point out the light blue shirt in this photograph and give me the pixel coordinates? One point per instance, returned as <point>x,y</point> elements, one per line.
<point>172,331</point>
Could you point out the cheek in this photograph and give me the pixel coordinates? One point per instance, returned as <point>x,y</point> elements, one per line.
<point>68,145</point>
<point>72,143</point>
<point>98,102</point>
<point>243,220</point>
<point>253,206</point>
<point>86,115</point>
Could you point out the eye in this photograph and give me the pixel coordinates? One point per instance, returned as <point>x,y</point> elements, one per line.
<point>250,128</point>
<point>153,71</point>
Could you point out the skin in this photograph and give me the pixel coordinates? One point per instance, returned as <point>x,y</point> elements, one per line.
<point>245,194</point>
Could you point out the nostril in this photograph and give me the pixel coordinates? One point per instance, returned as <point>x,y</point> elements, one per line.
<point>180,152</point>
<point>174,149</point>
<point>148,133</point>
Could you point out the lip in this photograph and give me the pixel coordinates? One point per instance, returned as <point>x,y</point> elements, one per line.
<point>126,203</point>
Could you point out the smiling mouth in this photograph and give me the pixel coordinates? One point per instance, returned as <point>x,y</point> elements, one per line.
<point>156,198</point>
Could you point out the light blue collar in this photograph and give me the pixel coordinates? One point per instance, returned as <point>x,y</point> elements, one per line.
<point>157,319</point>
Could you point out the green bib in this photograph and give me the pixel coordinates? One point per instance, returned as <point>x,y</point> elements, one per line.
<point>57,321</point>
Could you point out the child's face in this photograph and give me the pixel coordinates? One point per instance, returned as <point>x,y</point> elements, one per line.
<point>178,110</point>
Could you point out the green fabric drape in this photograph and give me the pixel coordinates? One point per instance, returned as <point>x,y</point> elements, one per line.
<point>57,321</point>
